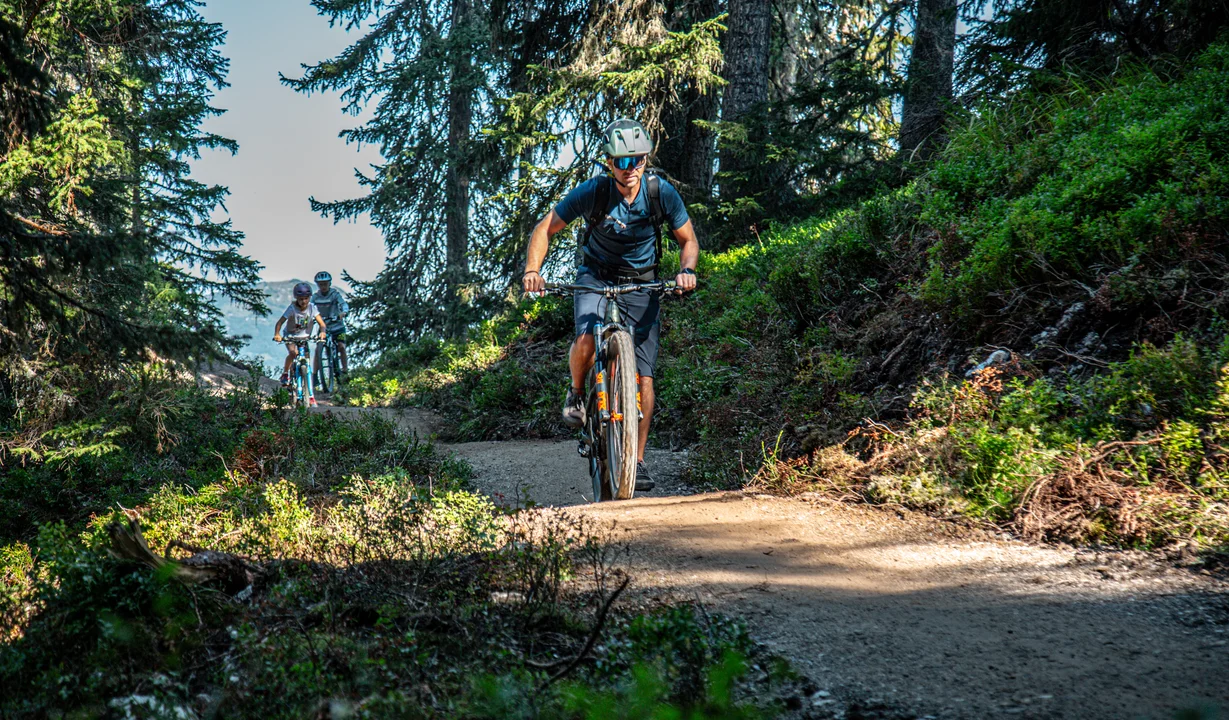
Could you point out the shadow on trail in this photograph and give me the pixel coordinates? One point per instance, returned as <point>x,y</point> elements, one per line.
<point>875,607</point>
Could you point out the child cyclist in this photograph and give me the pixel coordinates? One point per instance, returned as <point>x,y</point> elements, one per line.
<point>298,320</point>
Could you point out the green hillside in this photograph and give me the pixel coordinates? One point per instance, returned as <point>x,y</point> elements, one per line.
<point>1080,231</point>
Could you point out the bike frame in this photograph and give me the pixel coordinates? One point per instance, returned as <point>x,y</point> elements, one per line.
<point>303,378</point>
<point>602,330</point>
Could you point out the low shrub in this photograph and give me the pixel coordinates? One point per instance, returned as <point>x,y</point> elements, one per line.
<point>338,566</point>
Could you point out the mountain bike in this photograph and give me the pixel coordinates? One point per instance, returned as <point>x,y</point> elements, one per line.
<point>611,432</point>
<point>302,394</point>
<point>325,363</point>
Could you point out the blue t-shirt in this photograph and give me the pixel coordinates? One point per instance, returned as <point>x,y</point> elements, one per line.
<point>625,238</point>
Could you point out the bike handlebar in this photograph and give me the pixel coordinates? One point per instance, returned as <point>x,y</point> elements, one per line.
<point>299,340</point>
<point>563,290</point>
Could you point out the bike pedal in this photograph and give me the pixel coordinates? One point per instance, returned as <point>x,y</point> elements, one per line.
<point>582,448</point>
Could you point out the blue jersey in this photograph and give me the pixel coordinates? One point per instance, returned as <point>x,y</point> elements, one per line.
<point>331,306</point>
<point>624,238</point>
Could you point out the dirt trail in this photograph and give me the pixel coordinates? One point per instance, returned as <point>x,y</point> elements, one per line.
<point>898,611</point>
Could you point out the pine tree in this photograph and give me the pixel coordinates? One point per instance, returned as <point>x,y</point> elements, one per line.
<point>828,120</point>
<point>107,242</point>
<point>928,92</point>
<point>747,49</point>
<point>473,113</point>
<point>687,145</point>
<point>1021,37</point>
<point>425,65</point>
<point>180,67</point>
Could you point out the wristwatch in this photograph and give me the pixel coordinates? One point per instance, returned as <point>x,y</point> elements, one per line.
<point>688,271</point>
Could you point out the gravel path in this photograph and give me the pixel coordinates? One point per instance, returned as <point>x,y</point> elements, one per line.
<point>895,614</point>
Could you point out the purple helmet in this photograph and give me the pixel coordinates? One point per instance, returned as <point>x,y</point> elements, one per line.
<point>302,290</point>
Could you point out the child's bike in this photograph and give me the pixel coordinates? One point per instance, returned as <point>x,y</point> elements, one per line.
<point>611,433</point>
<point>302,394</point>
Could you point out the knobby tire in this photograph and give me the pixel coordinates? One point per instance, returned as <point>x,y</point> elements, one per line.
<point>322,366</point>
<point>622,436</point>
<point>302,391</point>
<point>593,436</point>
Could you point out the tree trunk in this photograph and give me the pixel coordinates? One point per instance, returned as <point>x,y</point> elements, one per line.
<point>456,183</point>
<point>686,150</point>
<point>785,70</point>
<point>746,72</point>
<point>928,90</point>
<point>136,220</point>
<point>696,165</point>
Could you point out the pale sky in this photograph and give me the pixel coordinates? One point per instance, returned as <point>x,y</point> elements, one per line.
<point>288,144</point>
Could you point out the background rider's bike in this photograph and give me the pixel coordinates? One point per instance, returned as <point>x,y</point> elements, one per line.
<point>325,363</point>
<point>301,390</point>
<point>611,433</point>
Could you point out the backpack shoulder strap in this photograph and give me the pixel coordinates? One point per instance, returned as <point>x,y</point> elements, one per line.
<point>657,211</point>
<point>601,201</point>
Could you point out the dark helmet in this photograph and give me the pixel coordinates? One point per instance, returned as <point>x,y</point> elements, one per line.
<point>302,290</point>
<point>626,138</point>
<point>324,276</point>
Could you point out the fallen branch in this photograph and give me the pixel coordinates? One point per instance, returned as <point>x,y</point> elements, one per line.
<point>593,636</point>
<point>203,566</point>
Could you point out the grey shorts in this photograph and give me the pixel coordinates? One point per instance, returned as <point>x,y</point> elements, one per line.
<point>641,310</point>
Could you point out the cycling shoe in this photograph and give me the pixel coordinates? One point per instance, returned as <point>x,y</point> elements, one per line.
<point>644,481</point>
<point>574,409</point>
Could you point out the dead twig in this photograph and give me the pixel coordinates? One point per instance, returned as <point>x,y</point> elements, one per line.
<point>593,636</point>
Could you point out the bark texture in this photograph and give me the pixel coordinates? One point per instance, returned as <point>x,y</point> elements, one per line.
<point>928,90</point>
<point>686,151</point>
<point>746,72</point>
<point>456,183</point>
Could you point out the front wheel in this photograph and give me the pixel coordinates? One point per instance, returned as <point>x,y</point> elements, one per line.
<point>302,391</point>
<point>622,436</point>
<point>324,367</point>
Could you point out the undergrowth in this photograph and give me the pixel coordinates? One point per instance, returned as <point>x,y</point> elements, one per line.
<point>319,566</point>
<point>1132,456</point>
<point>1082,232</point>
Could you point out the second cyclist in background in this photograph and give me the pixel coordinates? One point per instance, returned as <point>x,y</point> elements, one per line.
<point>333,308</point>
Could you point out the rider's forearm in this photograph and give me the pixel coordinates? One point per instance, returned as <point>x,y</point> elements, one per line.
<point>689,255</point>
<point>539,242</point>
<point>689,247</point>
<point>280,322</point>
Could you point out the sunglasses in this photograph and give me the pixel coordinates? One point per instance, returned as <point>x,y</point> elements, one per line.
<point>627,163</point>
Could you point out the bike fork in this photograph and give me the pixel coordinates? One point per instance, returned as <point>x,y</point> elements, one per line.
<point>639,408</point>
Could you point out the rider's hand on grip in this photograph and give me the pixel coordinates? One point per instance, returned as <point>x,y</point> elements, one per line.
<point>532,282</point>
<point>686,282</point>
<point>277,338</point>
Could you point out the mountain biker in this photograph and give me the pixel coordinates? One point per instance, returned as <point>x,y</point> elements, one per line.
<point>621,245</point>
<point>333,308</point>
<point>298,320</point>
